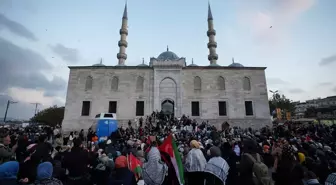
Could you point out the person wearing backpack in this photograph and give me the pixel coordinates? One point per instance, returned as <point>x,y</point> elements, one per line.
<point>252,169</point>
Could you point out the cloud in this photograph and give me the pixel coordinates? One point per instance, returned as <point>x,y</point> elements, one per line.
<point>334,89</point>
<point>70,55</point>
<point>324,84</point>
<point>296,91</point>
<point>276,81</point>
<point>16,28</point>
<point>280,15</point>
<point>328,60</point>
<point>24,68</point>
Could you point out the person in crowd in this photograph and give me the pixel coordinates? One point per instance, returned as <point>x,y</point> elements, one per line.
<point>8,173</point>
<point>231,158</point>
<point>71,138</point>
<point>284,165</point>
<point>311,179</point>
<point>123,175</point>
<point>195,163</point>
<point>44,175</point>
<point>217,169</point>
<point>76,162</point>
<point>154,170</point>
<point>6,153</point>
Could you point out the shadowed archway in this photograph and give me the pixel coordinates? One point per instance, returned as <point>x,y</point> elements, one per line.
<point>167,107</point>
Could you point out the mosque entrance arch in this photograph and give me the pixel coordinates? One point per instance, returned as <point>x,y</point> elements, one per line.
<point>167,107</point>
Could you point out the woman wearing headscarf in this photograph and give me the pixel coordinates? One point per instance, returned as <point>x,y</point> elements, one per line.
<point>123,174</point>
<point>217,169</point>
<point>8,173</point>
<point>44,175</point>
<point>155,171</point>
<point>195,164</point>
<point>284,165</point>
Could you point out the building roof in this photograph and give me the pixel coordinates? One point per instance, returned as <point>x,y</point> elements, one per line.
<point>149,67</point>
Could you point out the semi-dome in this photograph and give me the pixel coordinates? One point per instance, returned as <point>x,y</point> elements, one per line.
<point>236,65</point>
<point>168,55</point>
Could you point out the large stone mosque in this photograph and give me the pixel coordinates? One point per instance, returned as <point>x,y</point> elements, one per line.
<point>215,93</point>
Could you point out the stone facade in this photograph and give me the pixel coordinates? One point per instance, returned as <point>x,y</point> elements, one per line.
<point>167,80</point>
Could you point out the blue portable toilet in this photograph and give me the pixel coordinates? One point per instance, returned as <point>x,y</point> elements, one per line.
<point>106,124</point>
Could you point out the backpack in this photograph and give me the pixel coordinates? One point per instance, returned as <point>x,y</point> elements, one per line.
<point>260,170</point>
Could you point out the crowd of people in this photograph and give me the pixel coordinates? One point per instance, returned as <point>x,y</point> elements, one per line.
<point>164,150</point>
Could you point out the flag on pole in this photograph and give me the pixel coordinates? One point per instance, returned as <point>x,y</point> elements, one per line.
<point>169,146</point>
<point>134,165</point>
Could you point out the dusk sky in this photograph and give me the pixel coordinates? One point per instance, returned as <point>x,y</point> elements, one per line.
<point>294,39</point>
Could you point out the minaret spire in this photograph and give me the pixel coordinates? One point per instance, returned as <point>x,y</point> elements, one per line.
<point>122,56</point>
<point>212,44</point>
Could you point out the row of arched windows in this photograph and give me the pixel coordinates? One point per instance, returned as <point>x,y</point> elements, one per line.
<point>115,83</point>
<point>221,83</point>
<point>140,83</point>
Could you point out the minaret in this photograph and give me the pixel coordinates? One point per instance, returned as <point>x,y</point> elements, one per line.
<point>122,56</point>
<point>212,45</point>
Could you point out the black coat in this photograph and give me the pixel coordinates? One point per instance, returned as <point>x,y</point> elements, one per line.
<point>76,161</point>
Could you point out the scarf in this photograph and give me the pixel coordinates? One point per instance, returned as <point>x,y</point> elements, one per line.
<point>154,171</point>
<point>218,167</point>
<point>195,161</point>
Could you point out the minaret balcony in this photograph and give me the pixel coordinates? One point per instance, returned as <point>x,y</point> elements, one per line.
<point>122,56</point>
<point>123,31</point>
<point>212,57</point>
<point>211,32</point>
<point>123,43</point>
<point>212,44</point>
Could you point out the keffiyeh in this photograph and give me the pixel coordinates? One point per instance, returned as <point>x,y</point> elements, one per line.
<point>154,171</point>
<point>195,161</point>
<point>218,167</point>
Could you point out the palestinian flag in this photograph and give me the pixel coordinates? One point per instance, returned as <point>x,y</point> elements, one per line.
<point>134,165</point>
<point>172,156</point>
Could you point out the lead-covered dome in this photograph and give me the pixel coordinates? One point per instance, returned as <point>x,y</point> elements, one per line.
<point>236,65</point>
<point>168,55</point>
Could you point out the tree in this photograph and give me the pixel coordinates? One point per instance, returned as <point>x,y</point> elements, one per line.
<point>51,116</point>
<point>280,101</point>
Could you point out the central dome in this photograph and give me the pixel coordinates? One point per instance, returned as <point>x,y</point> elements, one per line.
<point>168,55</point>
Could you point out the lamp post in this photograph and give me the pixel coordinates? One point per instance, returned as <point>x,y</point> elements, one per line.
<point>8,104</point>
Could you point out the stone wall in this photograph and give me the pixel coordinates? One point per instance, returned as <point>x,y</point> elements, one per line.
<point>234,95</point>
<point>101,93</point>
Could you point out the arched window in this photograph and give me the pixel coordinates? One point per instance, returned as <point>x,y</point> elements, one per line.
<point>221,83</point>
<point>88,83</point>
<point>246,84</point>
<point>140,84</point>
<point>197,83</point>
<point>114,83</point>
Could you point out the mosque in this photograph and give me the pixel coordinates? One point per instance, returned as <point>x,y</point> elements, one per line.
<point>215,93</point>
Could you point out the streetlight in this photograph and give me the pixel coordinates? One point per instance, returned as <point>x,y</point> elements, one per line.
<point>8,104</point>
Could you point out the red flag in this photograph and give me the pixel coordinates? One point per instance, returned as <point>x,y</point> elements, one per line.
<point>134,165</point>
